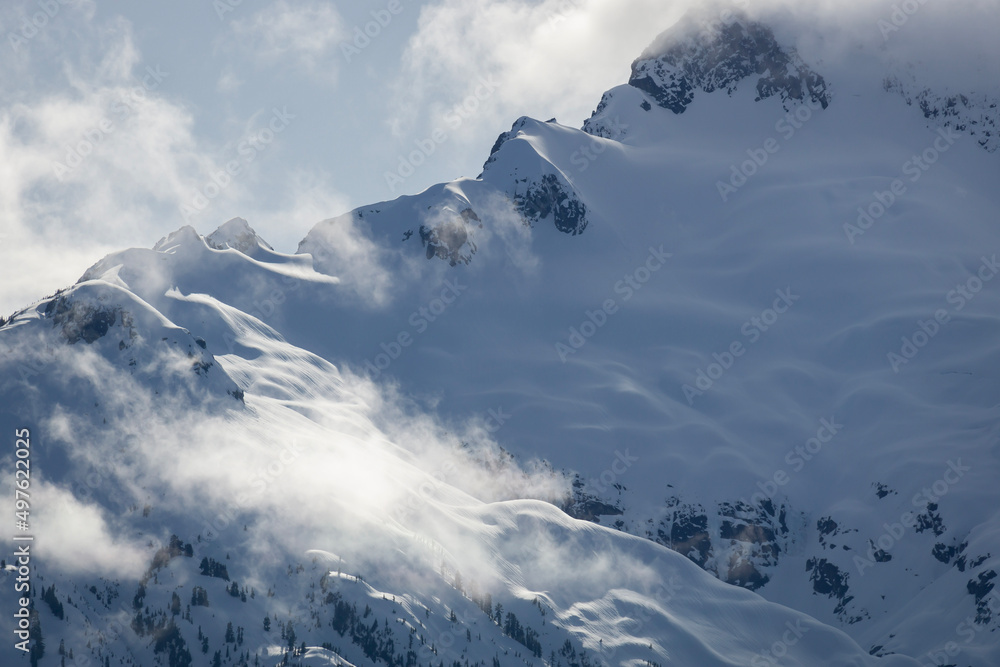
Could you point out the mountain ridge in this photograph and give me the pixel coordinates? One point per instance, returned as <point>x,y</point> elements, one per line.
<point>672,474</point>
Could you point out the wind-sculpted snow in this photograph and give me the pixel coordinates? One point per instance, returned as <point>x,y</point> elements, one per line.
<point>811,344</point>
<point>767,363</point>
<point>346,518</point>
<point>238,235</point>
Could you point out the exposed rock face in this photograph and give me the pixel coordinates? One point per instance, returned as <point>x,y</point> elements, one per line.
<point>85,321</point>
<point>686,59</point>
<point>980,588</point>
<point>737,542</point>
<point>550,196</point>
<point>588,506</point>
<point>504,138</point>
<point>608,128</point>
<point>89,318</point>
<point>830,580</point>
<point>450,240</point>
<point>750,538</point>
<point>537,194</point>
<point>686,532</point>
<point>977,115</point>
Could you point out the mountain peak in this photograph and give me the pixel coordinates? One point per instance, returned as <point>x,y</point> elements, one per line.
<point>697,55</point>
<point>238,235</point>
<point>182,236</point>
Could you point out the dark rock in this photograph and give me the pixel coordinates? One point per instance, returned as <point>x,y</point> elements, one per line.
<point>931,520</point>
<point>450,240</point>
<point>878,555</point>
<point>681,63</point>
<point>504,138</point>
<point>977,115</point>
<point>980,588</point>
<point>829,580</point>
<point>548,196</point>
<point>946,554</point>
<point>881,490</point>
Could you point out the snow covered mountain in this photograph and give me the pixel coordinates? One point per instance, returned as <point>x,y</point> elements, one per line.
<point>710,381</point>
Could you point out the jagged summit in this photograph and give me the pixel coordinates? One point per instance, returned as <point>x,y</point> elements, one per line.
<point>169,243</point>
<point>771,390</point>
<point>238,235</point>
<point>235,233</point>
<point>682,61</point>
<point>698,55</point>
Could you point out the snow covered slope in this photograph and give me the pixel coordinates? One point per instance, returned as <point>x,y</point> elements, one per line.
<point>355,546</point>
<point>741,328</point>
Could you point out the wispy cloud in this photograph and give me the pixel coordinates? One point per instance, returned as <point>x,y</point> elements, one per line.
<point>538,52</point>
<point>316,457</point>
<point>91,165</point>
<point>556,57</point>
<point>302,34</point>
<point>100,154</point>
<point>77,537</point>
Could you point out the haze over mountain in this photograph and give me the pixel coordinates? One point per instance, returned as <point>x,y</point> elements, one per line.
<point>709,381</point>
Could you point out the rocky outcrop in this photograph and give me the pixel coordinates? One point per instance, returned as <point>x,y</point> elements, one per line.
<point>974,114</point>
<point>685,60</point>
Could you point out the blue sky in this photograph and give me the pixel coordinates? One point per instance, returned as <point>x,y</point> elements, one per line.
<point>115,115</point>
<point>121,121</point>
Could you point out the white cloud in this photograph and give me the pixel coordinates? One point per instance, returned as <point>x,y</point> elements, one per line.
<point>92,165</point>
<point>75,538</point>
<point>228,81</point>
<point>303,33</point>
<point>98,157</point>
<point>343,247</point>
<point>306,198</point>
<point>556,57</point>
<point>317,457</point>
<point>550,58</point>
